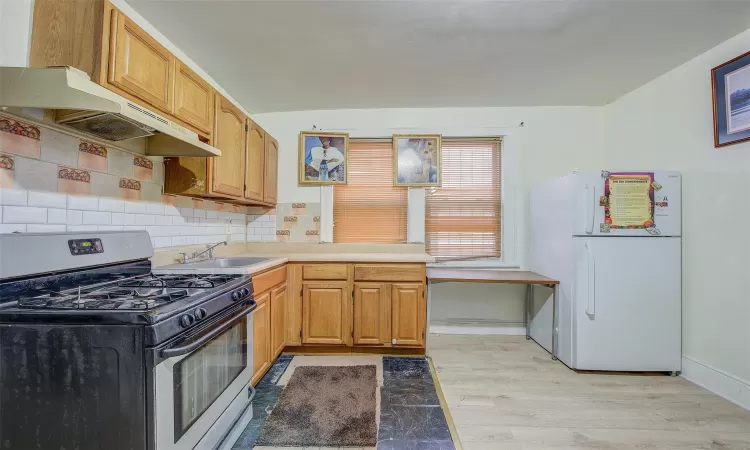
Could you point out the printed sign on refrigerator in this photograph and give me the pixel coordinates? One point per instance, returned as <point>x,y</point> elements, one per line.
<point>629,200</point>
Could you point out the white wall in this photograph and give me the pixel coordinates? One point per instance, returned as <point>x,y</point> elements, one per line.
<point>668,124</point>
<point>553,141</point>
<point>15,32</point>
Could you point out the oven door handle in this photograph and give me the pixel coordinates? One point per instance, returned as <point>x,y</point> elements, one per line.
<point>185,349</point>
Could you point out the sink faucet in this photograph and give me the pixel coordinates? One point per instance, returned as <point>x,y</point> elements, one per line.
<point>196,256</point>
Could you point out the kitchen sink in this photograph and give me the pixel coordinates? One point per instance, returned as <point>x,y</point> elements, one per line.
<point>218,263</point>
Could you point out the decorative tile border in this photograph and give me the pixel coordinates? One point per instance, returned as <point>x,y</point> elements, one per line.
<point>283,235</point>
<point>141,161</point>
<point>20,128</point>
<point>69,173</point>
<point>6,162</point>
<point>94,149</point>
<point>126,183</point>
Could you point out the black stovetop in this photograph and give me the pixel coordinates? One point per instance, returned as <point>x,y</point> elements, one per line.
<point>140,292</point>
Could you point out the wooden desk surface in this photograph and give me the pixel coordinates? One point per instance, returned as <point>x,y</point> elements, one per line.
<point>488,276</point>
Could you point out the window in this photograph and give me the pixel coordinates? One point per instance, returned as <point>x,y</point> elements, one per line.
<point>369,208</point>
<point>463,215</point>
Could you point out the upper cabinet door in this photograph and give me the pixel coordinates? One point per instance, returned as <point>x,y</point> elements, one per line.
<point>229,137</point>
<point>255,166</point>
<point>139,65</point>
<point>193,98</point>
<point>272,165</point>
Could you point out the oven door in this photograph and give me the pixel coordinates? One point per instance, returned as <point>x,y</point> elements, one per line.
<point>197,377</point>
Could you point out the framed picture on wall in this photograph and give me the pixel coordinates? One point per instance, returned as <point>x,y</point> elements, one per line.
<point>731,99</point>
<point>416,159</point>
<point>323,158</point>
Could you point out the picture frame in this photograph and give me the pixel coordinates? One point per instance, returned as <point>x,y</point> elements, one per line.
<point>323,148</point>
<point>730,88</point>
<point>417,160</point>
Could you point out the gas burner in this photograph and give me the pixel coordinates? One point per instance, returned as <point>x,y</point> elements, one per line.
<point>143,292</point>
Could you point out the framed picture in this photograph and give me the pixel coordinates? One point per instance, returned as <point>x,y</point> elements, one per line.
<point>416,159</point>
<point>323,158</point>
<point>731,98</point>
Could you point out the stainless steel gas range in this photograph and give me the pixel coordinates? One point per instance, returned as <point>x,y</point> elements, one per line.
<point>98,352</point>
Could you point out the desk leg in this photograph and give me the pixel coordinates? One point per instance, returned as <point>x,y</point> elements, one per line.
<point>555,297</point>
<point>527,309</point>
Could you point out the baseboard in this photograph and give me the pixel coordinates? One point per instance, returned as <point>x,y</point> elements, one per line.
<point>467,326</point>
<point>714,380</point>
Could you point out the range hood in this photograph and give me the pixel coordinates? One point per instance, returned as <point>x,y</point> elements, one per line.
<point>89,108</point>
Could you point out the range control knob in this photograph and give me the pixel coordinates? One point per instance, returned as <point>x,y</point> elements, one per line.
<point>187,320</point>
<point>236,295</point>
<point>200,314</point>
<point>245,291</point>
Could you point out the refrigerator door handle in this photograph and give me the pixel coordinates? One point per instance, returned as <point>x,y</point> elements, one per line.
<point>589,202</point>
<point>591,281</point>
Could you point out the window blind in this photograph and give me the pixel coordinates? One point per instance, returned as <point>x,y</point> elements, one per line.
<point>463,215</point>
<point>369,208</point>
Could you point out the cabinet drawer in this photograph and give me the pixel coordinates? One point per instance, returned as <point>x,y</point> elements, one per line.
<point>324,272</point>
<point>267,280</point>
<point>389,272</point>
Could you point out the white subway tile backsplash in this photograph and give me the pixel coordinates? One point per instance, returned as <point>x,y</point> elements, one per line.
<point>269,238</point>
<point>84,203</point>
<point>24,214</point>
<point>179,240</point>
<point>159,231</point>
<point>13,197</point>
<point>161,242</point>
<point>155,208</point>
<point>171,210</point>
<point>111,205</point>
<point>97,218</point>
<point>187,212</point>
<point>45,228</point>
<point>211,214</point>
<point>136,207</point>
<point>55,215</point>
<point>144,219</point>
<point>118,218</point>
<point>78,228</point>
<point>237,237</point>
<point>12,228</point>
<point>178,220</point>
<point>161,220</point>
<point>111,227</point>
<point>199,213</point>
<point>46,199</point>
<point>74,217</point>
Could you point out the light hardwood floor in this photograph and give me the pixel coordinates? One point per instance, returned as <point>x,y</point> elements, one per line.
<point>505,392</point>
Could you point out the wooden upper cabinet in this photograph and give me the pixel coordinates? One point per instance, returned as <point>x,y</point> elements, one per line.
<point>326,317</point>
<point>255,163</point>
<point>261,336</point>
<point>193,98</point>
<point>372,319</point>
<point>229,137</point>
<point>278,320</point>
<point>408,314</point>
<point>138,64</point>
<point>272,167</point>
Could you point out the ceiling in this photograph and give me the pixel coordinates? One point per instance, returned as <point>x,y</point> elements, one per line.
<point>301,55</point>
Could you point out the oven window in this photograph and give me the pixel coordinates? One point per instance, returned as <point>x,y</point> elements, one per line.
<point>203,375</point>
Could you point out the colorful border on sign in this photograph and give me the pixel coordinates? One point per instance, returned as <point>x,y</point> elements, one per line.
<point>640,175</point>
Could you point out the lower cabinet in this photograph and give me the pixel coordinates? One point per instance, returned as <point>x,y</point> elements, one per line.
<point>372,318</point>
<point>409,311</point>
<point>278,320</point>
<point>261,337</point>
<point>269,329</point>
<point>325,312</point>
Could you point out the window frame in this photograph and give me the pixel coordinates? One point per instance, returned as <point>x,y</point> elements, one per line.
<point>510,216</point>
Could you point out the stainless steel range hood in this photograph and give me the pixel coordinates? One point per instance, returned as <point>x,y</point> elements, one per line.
<point>92,109</point>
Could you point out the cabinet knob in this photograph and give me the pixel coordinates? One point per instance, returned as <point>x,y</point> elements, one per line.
<point>393,341</point>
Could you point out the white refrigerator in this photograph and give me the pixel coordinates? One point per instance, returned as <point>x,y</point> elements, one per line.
<point>613,240</point>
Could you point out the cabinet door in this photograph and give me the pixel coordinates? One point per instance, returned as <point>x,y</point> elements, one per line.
<point>193,98</point>
<point>139,65</point>
<point>278,320</point>
<point>255,165</point>
<point>325,314</point>
<point>272,164</point>
<point>229,137</point>
<point>261,337</point>
<point>409,311</point>
<point>372,319</point>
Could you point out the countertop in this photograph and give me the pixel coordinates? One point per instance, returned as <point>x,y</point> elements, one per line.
<point>278,254</point>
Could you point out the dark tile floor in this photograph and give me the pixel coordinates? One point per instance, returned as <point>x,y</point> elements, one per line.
<point>410,414</point>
